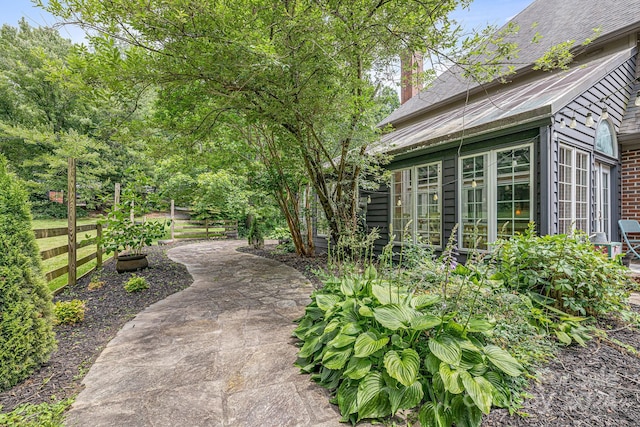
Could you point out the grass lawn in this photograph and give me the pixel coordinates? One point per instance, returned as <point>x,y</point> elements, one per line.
<point>62,260</point>
<point>54,242</point>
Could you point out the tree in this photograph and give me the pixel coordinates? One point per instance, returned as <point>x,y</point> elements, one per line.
<point>53,105</point>
<point>26,335</point>
<point>301,68</point>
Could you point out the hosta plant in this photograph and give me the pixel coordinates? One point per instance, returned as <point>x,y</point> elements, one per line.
<point>383,348</point>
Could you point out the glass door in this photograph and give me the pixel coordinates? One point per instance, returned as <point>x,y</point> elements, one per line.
<point>603,202</point>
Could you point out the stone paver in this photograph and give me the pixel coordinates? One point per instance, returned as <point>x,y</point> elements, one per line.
<point>219,353</point>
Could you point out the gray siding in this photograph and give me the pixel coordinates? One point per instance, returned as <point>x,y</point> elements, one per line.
<point>615,86</point>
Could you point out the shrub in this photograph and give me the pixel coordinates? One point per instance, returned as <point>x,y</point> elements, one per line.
<point>136,284</point>
<point>564,271</point>
<point>26,309</point>
<point>382,348</point>
<point>69,312</point>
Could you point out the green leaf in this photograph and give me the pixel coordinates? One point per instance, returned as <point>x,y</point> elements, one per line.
<point>563,337</point>
<point>405,397</point>
<point>336,359</point>
<point>351,328</point>
<point>347,399</point>
<point>432,363</point>
<point>503,360</point>
<point>450,378</point>
<point>479,389</point>
<point>424,300</point>
<point>348,286</point>
<point>310,347</point>
<point>388,294</point>
<point>403,366</point>
<point>425,321</point>
<point>367,344</point>
<point>432,415</point>
<point>365,311</point>
<point>327,301</point>
<point>341,340</point>
<point>332,325</point>
<point>372,396</point>
<point>395,316</point>
<point>446,349</point>
<point>357,368</point>
<point>465,415</point>
<point>479,325</point>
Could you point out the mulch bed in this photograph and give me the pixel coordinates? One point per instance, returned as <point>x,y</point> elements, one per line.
<point>107,310</point>
<point>594,386</point>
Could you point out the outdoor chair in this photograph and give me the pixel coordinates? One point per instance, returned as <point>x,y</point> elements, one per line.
<point>631,226</point>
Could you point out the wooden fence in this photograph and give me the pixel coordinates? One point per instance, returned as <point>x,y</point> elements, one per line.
<point>72,263</point>
<point>183,227</point>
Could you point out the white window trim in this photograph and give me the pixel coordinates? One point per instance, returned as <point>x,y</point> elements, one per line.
<point>599,169</point>
<point>574,151</point>
<point>491,177</point>
<point>414,204</point>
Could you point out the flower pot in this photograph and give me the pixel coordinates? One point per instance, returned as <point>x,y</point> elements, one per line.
<point>131,262</point>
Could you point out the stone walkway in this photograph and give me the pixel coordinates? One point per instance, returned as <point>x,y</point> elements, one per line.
<point>219,353</point>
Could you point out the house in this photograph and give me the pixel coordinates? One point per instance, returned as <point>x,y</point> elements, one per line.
<point>559,148</point>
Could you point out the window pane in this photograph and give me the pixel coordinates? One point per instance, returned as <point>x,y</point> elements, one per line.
<point>402,203</point>
<point>428,204</point>
<point>604,138</point>
<point>474,203</point>
<point>514,189</point>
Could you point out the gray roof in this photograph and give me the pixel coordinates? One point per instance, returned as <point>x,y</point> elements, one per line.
<point>504,106</point>
<point>557,21</point>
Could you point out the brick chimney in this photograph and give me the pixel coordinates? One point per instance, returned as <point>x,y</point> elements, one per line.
<point>410,69</point>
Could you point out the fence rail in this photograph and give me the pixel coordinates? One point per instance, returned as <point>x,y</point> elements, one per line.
<point>44,233</point>
<point>207,229</point>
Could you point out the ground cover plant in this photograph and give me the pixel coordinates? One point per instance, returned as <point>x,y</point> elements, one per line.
<point>69,312</point>
<point>449,341</point>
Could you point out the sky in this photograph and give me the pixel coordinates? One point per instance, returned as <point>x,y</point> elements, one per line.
<point>481,13</point>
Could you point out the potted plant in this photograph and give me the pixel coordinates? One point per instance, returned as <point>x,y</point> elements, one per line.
<point>128,238</point>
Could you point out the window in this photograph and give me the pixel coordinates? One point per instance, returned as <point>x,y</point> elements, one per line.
<point>514,191</point>
<point>474,202</point>
<point>603,201</point>
<point>402,205</point>
<point>573,190</point>
<point>605,139</point>
<point>496,189</point>
<point>416,208</point>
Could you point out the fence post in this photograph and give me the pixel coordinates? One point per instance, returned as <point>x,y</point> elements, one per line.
<point>173,219</point>
<point>206,228</point>
<point>98,246</point>
<point>71,220</point>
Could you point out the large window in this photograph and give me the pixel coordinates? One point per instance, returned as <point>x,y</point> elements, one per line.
<point>416,212</point>
<point>573,190</point>
<point>496,189</point>
<point>474,202</point>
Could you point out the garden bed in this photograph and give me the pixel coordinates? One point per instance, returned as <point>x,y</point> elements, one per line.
<point>108,308</point>
<point>598,385</point>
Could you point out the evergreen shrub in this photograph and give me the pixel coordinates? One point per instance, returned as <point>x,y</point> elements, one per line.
<point>26,309</point>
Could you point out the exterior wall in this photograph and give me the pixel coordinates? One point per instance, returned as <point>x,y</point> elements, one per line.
<point>630,184</point>
<point>379,210</point>
<point>616,89</point>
